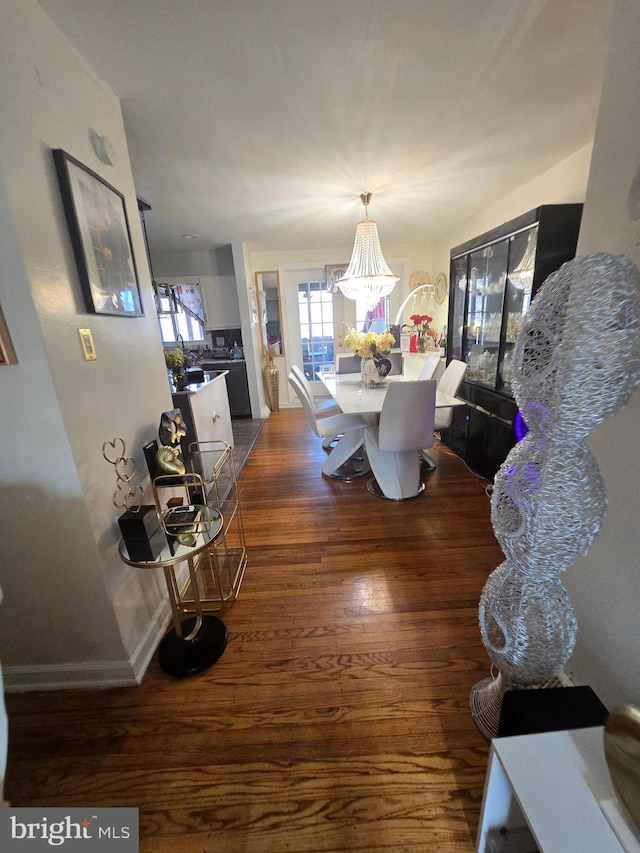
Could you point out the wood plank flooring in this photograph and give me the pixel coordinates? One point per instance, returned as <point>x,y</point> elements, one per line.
<point>337,719</point>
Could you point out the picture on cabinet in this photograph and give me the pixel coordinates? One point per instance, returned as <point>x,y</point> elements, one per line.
<point>100,238</point>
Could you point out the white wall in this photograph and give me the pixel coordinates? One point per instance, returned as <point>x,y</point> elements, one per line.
<point>73,613</point>
<point>605,584</point>
<point>565,183</point>
<point>188,263</point>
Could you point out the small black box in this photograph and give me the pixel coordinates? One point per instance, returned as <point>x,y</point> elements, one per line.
<point>550,709</point>
<point>140,533</point>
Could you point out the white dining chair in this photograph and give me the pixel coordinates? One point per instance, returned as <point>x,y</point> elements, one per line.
<point>322,408</point>
<point>449,384</point>
<point>349,428</point>
<point>393,447</point>
<point>429,367</point>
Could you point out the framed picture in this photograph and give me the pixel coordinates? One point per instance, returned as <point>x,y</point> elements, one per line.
<point>100,237</point>
<point>332,273</point>
<point>7,352</point>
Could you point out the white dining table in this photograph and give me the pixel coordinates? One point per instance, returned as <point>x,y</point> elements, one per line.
<point>353,398</point>
<point>348,392</point>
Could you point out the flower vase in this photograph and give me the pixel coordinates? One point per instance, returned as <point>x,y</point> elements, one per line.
<point>271,380</point>
<point>369,373</point>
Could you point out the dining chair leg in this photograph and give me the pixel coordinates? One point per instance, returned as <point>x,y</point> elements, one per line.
<point>342,452</point>
<point>426,461</point>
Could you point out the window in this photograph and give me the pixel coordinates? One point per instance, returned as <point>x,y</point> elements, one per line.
<point>374,319</point>
<point>179,308</point>
<point>315,305</point>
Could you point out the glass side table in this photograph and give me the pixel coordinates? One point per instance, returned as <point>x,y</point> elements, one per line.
<point>197,642</point>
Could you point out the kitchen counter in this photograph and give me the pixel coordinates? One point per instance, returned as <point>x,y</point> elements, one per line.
<point>195,387</point>
<point>217,363</point>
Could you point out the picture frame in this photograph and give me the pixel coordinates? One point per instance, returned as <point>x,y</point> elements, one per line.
<point>333,272</point>
<point>100,237</point>
<point>7,352</point>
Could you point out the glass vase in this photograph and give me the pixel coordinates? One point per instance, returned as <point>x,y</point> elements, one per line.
<point>369,373</point>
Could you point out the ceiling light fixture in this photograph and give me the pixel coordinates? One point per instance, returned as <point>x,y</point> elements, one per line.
<point>367,277</point>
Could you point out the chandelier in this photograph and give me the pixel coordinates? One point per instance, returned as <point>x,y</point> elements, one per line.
<point>368,278</point>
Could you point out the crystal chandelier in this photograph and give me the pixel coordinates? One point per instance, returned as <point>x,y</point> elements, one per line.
<point>368,278</point>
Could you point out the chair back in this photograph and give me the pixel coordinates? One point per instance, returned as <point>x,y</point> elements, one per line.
<point>298,372</point>
<point>429,367</point>
<point>407,416</point>
<point>396,364</point>
<point>347,364</point>
<point>449,383</point>
<point>451,379</point>
<point>305,402</point>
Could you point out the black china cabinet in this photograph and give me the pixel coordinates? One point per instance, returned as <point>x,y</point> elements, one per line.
<point>493,279</point>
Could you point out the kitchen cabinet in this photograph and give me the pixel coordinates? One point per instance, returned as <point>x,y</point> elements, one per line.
<point>205,410</point>
<point>493,279</point>
<point>237,385</point>
<point>220,301</point>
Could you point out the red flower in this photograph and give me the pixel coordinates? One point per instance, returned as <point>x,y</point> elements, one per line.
<point>419,319</point>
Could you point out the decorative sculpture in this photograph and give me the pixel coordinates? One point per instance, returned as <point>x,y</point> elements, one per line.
<point>125,467</point>
<point>576,363</point>
<point>170,433</point>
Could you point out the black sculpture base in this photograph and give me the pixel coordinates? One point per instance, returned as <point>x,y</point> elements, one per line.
<point>181,658</point>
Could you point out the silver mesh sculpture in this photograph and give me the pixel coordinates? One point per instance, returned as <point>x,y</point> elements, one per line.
<point>576,363</point>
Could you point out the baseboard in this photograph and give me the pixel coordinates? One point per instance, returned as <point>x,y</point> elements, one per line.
<point>92,675</point>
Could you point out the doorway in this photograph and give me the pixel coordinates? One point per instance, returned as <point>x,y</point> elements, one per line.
<point>316,320</point>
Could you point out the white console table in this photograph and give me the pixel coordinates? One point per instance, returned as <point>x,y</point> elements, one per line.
<point>552,792</point>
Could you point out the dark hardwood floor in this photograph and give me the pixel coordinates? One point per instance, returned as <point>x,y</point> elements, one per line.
<point>337,719</point>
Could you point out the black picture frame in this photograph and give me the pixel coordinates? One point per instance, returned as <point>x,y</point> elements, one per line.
<point>99,229</point>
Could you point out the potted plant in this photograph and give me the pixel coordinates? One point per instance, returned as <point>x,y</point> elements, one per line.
<point>175,361</point>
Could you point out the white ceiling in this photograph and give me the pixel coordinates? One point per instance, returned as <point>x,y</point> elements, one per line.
<point>261,121</point>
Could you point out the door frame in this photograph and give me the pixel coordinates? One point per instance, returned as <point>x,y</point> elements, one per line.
<point>292,273</point>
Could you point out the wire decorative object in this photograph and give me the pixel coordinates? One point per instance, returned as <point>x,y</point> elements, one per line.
<point>115,453</point>
<point>570,373</point>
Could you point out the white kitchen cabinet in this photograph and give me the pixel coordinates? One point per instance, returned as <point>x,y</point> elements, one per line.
<point>220,301</point>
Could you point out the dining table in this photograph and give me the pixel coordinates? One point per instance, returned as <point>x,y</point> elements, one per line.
<point>353,397</point>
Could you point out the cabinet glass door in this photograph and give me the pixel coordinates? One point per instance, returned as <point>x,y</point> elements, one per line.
<point>486,288</point>
<point>458,296</point>
<point>522,256</point>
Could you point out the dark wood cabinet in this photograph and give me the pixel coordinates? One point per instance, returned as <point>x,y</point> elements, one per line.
<point>493,279</point>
